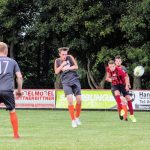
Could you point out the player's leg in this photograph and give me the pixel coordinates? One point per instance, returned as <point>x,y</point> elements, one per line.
<point>119,104</point>
<point>129,102</point>
<point>113,93</point>
<point>124,106</point>
<point>71,110</point>
<point>78,106</point>
<point>71,106</point>
<point>132,117</point>
<point>9,101</point>
<point>77,92</point>
<point>78,109</point>
<point>116,93</point>
<point>14,122</point>
<point>69,94</point>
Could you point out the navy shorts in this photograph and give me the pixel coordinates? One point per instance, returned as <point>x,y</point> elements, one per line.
<point>7,97</point>
<point>120,88</point>
<point>72,88</point>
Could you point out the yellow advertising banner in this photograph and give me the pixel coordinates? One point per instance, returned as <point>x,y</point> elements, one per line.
<point>91,99</point>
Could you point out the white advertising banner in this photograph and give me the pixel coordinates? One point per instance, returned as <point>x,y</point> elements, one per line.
<point>141,99</point>
<point>35,98</point>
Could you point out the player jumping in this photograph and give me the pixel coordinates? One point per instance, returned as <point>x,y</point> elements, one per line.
<point>9,67</point>
<point>120,84</point>
<point>67,66</point>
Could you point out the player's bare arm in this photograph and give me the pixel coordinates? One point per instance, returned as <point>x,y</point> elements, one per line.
<point>74,67</point>
<point>108,78</point>
<point>59,69</point>
<point>127,80</point>
<point>127,83</point>
<point>19,82</point>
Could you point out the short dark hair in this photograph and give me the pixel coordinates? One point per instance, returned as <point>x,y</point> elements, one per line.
<point>63,49</point>
<point>111,62</point>
<point>118,57</point>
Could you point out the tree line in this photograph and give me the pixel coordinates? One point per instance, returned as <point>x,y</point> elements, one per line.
<point>94,30</point>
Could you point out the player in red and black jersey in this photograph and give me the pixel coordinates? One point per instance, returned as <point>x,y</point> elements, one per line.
<point>118,62</point>
<point>120,84</point>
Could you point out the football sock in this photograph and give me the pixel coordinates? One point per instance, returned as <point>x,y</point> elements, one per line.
<point>14,122</point>
<point>71,111</point>
<point>124,106</point>
<point>78,110</point>
<point>118,100</point>
<point>130,107</point>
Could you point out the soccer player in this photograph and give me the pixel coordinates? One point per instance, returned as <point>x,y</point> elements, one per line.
<point>9,67</point>
<point>67,66</point>
<point>120,84</point>
<point>118,62</point>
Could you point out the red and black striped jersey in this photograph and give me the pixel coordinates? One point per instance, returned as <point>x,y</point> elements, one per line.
<point>117,76</point>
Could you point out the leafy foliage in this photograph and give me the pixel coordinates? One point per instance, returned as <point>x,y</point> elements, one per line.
<point>93,29</point>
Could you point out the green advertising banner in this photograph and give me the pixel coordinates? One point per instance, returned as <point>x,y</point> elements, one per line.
<point>91,99</point>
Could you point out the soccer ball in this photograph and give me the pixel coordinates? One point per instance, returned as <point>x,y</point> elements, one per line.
<point>138,71</point>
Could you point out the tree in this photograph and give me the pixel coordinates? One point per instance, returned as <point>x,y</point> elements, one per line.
<point>136,25</point>
<point>94,30</point>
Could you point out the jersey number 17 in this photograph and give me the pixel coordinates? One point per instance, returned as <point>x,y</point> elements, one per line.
<point>3,66</point>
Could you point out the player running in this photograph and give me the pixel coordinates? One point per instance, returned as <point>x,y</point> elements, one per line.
<point>118,62</point>
<point>9,68</point>
<point>67,66</point>
<point>120,85</point>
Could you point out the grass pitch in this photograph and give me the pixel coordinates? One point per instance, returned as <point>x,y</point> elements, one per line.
<point>51,130</point>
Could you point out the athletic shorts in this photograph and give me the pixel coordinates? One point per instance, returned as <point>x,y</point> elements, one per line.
<point>72,88</point>
<point>121,89</point>
<point>8,99</point>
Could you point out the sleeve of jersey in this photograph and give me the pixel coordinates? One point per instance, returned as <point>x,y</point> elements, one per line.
<point>122,73</point>
<point>107,69</point>
<point>71,61</point>
<point>57,63</point>
<point>17,69</point>
<point>125,69</point>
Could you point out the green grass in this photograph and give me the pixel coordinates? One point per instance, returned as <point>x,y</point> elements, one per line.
<point>51,130</point>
